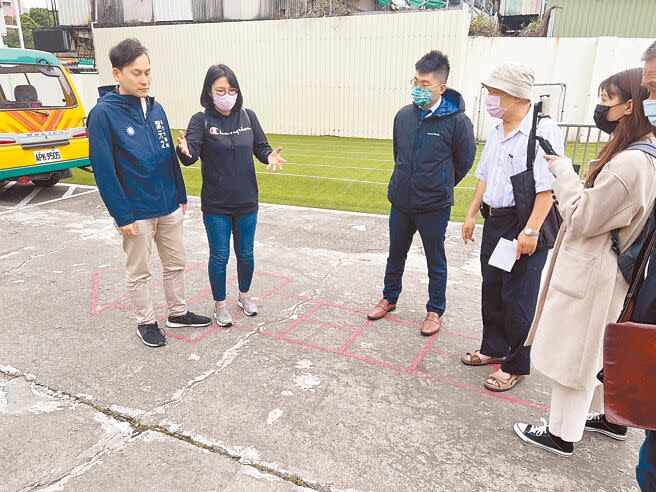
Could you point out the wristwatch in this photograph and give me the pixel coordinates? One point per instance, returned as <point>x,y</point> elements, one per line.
<point>530,232</point>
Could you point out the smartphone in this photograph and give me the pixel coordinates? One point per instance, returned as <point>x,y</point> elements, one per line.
<point>546,145</point>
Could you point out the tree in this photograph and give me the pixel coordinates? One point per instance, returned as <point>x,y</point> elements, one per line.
<point>36,18</point>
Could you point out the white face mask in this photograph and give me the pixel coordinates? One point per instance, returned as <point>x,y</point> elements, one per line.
<point>649,106</point>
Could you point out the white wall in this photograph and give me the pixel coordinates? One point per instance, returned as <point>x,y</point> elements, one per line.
<point>347,76</point>
<point>87,87</point>
<point>581,63</point>
<point>344,76</point>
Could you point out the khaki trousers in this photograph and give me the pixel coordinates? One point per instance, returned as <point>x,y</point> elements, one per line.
<point>166,233</point>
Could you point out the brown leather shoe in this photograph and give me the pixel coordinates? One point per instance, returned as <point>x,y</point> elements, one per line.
<point>432,324</point>
<point>380,310</point>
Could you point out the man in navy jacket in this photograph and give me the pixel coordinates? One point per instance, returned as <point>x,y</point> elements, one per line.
<point>140,181</point>
<point>434,149</point>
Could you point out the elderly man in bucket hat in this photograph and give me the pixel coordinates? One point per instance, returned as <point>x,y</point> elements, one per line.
<point>509,298</point>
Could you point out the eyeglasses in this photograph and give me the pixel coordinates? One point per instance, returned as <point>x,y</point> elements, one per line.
<point>423,85</point>
<point>222,92</point>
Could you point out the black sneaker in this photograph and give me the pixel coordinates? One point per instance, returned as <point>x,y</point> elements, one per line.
<point>151,335</point>
<point>188,320</point>
<point>542,438</point>
<point>597,422</point>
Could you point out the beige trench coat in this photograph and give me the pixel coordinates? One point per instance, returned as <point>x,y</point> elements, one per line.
<point>584,289</point>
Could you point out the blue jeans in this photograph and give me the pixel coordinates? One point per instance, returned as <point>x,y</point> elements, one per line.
<point>646,471</point>
<point>218,229</point>
<point>432,229</point>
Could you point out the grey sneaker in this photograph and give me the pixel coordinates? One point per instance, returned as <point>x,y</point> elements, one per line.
<point>222,316</point>
<point>248,305</point>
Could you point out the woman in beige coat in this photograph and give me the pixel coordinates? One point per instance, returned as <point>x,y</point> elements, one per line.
<point>584,289</point>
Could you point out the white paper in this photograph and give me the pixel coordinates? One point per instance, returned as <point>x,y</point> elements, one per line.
<point>504,255</point>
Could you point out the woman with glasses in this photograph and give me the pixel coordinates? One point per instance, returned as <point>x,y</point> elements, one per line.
<point>225,137</point>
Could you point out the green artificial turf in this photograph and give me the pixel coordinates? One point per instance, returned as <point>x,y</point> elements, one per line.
<point>333,173</point>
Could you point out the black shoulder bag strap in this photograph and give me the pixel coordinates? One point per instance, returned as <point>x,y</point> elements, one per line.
<point>532,141</point>
<point>638,276</point>
<point>649,149</point>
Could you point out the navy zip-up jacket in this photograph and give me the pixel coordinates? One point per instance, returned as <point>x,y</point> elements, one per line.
<point>133,159</point>
<point>431,156</point>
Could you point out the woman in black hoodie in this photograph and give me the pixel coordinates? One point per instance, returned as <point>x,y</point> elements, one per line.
<point>225,137</point>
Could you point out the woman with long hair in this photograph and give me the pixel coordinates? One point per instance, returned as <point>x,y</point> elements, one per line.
<point>225,137</point>
<point>584,289</point>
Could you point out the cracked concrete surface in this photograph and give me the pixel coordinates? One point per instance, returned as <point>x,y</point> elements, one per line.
<point>305,395</point>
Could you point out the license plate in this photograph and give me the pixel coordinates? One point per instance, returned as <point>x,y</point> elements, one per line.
<point>43,156</point>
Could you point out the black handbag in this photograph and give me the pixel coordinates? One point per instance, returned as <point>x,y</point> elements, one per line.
<point>523,185</point>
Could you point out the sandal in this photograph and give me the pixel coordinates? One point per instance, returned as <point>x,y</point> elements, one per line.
<point>475,359</point>
<point>502,384</point>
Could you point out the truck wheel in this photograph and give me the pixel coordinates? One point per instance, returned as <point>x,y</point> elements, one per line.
<point>47,183</point>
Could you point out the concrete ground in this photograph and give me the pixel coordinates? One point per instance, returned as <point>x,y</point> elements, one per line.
<point>306,394</point>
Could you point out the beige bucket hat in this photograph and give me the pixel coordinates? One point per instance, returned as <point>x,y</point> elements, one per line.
<point>514,78</point>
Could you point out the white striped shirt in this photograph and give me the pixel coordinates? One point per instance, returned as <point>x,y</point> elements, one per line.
<point>504,157</point>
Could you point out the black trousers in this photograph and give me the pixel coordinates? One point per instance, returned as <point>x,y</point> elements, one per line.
<point>508,299</point>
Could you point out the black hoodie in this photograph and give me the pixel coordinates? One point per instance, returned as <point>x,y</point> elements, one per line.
<point>431,156</point>
<point>226,145</point>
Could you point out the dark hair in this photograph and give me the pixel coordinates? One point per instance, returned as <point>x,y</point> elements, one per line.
<point>626,85</point>
<point>126,52</point>
<point>216,72</point>
<point>434,61</point>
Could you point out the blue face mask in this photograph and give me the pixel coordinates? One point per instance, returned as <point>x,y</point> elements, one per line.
<point>649,106</point>
<point>422,97</point>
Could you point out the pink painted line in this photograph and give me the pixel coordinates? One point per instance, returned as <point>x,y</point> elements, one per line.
<point>117,303</point>
<point>423,352</point>
<point>94,293</point>
<point>362,311</point>
<point>300,319</point>
<point>334,326</point>
<point>439,379</point>
<point>481,391</point>
<point>276,289</point>
<point>197,297</point>
<point>273,275</point>
<point>197,339</point>
<point>354,336</point>
<point>404,370</point>
<point>297,297</point>
<point>461,335</point>
<point>446,353</point>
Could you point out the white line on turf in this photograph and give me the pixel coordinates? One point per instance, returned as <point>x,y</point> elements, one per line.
<point>329,178</point>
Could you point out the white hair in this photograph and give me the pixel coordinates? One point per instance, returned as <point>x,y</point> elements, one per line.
<point>650,54</point>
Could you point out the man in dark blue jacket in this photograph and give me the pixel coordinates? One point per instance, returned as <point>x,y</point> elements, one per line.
<point>139,179</point>
<point>434,149</point>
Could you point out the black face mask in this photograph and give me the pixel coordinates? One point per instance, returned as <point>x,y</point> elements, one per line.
<point>600,115</point>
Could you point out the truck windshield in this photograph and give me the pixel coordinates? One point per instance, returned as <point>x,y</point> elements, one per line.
<point>34,87</point>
